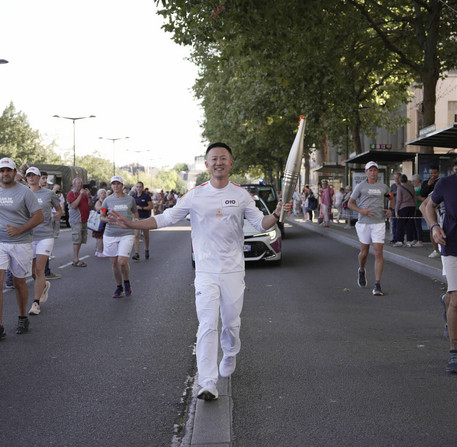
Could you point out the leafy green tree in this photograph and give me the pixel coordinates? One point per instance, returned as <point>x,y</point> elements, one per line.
<point>180,167</point>
<point>202,177</point>
<point>168,181</point>
<point>421,36</point>
<point>22,143</point>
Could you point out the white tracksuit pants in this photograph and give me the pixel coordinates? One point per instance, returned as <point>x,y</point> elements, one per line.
<point>214,291</point>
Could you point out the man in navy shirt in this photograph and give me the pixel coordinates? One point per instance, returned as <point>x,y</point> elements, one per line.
<point>144,204</point>
<point>445,191</point>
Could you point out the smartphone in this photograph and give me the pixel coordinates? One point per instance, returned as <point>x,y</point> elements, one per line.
<point>87,186</point>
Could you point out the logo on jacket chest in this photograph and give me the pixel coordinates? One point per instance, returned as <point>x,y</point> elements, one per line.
<point>226,203</point>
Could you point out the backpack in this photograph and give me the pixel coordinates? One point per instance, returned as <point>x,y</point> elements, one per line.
<point>312,202</point>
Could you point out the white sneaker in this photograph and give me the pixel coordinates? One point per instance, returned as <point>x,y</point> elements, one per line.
<point>35,309</point>
<point>434,254</point>
<point>419,244</point>
<point>398,244</point>
<point>208,392</point>
<point>227,366</point>
<point>44,294</point>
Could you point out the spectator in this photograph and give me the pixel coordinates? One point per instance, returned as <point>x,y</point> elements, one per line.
<point>347,212</point>
<point>393,193</point>
<point>426,189</point>
<point>416,181</point>
<point>339,196</point>
<point>144,205</point>
<point>405,207</point>
<point>98,235</point>
<point>326,203</point>
<point>80,202</point>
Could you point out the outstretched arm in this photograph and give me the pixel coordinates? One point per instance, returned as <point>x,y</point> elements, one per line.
<point>114,218</point>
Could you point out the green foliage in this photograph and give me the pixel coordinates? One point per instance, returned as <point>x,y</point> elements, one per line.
<point>202,178</point>
<point>180,167</point>
<point>265,63</point>
<point>20,142</point>
<point>169,181</point>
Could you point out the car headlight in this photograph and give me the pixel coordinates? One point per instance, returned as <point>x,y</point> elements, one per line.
<point>271,234</point>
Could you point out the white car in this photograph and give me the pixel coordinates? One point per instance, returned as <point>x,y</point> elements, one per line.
<point>266,246</point>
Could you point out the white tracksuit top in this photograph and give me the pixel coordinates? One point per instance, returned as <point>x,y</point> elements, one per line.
<point>217,219</point>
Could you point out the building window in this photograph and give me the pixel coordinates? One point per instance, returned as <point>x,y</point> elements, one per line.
<point>452,112</point>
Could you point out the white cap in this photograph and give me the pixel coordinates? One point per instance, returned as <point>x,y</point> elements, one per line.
<point>116,178</point>
<point>7,163</point>
<point>49,182</point>
<point>33,170</point>
<point>371,164</point>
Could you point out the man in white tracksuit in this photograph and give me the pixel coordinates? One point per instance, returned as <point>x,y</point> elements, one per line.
<point>217,210</point>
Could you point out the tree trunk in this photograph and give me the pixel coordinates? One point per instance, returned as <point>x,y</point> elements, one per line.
<point>355,132</point>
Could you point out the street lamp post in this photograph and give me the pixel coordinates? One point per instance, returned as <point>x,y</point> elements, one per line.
<point>74,130</point>
<point>114,145</point>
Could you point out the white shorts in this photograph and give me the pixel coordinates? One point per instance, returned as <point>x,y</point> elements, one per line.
<point>18,258</point>
<point>450,267</point>
<point>118,245</point>
<point>371,233</point>
<point>43,247</point>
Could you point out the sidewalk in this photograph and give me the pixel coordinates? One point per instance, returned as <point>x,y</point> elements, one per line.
<point>209,423</point>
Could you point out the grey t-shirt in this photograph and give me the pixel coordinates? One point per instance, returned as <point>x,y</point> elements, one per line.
<point>16,207</point>
<point>123,205</point>
<point>47,199</point>
<point>371,195</point>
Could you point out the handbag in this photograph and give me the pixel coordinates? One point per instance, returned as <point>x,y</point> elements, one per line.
<point>94,223</point>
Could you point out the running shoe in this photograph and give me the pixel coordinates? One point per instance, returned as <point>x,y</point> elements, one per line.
<point>44,294</point>
<point>9,286</point>
<point>118,292</point>
<point>377,290</point>
<point>451,366</point>
<point>136,257</point>
<point>434,254</point>
<point>208,392</point>
<point>146,254</point>
<point>418,244</point>
<point>362,278</point>
<point>52,276</point>
<point>227,365</point>
<point>128,289</point>
<point>35,309</point>
<point>2,332</point>
<point>22,325</point>
<point>398,244</point>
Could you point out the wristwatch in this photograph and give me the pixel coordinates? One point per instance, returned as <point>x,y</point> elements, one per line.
<point>274,214</point>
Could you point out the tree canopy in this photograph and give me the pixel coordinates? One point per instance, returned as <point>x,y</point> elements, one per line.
<point>264,63</point>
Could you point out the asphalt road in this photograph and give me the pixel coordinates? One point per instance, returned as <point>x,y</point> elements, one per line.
<point>325,363</point>
<point>322,363</point>
<point>96,371</point>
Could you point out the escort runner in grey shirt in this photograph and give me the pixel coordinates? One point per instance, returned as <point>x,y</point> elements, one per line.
<point>371,196</point>
<point>124,205</point>
<point>47,199</point>
<point>16,206</point>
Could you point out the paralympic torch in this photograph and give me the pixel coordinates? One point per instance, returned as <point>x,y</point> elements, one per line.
<point>293,166</point>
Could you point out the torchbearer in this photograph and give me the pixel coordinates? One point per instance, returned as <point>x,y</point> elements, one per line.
<point>293,166</point>
<point>217,211</point>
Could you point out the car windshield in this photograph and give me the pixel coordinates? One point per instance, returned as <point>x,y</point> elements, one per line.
<point>266,193</point>
<point>262,207</point>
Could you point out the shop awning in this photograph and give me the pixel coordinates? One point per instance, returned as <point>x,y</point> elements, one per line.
<point>446,137</point>
<point>382,157</point>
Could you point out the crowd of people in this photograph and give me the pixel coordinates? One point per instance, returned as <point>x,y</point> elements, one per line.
<point>31,208</point>
<point>216,210</point>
